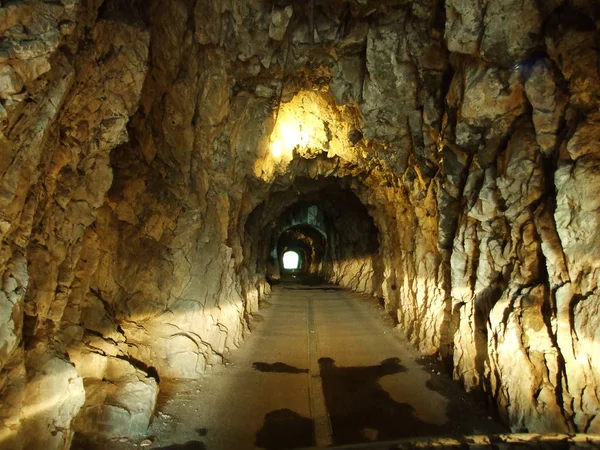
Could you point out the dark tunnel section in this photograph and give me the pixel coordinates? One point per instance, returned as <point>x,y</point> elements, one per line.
<point>301,227</point>
<point>325,223</point>
<point>309,243</point>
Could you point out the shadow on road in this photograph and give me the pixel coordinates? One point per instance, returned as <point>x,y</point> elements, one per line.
<point>361,410</point>
<point>470,412</point>
<point>192,445</point>
<point>277,367</point>
<point>285,429</point>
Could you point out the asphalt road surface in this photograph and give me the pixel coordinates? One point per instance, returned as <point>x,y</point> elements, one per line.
<point>322,366</point>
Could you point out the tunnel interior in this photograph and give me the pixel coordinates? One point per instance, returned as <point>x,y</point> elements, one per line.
<point>308,244</point>
<point>323,221</point>
<point>291,260</point>
<point>158,159</point>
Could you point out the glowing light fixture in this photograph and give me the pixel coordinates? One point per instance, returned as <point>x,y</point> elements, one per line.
<point>289,134</point>
<point>276,148</point>
<point>293,135</point>
<point>291,260</point>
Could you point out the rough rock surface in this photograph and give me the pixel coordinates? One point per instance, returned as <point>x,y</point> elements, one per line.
<point>121,408</point>
<point>152,154</point>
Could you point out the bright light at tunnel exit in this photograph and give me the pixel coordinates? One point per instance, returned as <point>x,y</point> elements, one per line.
<point>291,260</point>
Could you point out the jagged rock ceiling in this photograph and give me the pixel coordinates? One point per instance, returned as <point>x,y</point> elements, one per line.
<point>139,139</point>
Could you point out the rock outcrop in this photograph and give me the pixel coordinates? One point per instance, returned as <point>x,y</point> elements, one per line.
<point>153,153</point>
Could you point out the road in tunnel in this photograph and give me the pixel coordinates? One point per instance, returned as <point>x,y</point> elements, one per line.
<point>309,243</point>
<point>322,366</point>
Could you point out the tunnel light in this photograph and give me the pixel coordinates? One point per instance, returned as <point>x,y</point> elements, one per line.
<point>291,260</point>
<point>293,135</point>
<point>308,124</point>
<point>289,136</point>
<point>276,149</point>
<point>293,130</point>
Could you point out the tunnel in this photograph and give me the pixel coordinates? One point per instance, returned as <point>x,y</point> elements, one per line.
<point>325,223</point>
<point>299,224</point>
<point>300,249</point>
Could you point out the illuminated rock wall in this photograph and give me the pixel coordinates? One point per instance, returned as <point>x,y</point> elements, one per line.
<point>139,183</point>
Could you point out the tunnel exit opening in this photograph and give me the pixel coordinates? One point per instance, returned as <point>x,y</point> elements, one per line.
<point>300,252</point>
<point>291,260</point>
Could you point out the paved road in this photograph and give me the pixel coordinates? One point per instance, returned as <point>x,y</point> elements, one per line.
<point>321,367</point>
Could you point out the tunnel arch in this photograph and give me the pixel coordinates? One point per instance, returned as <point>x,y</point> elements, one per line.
<point>330,212</point>
<point>311,245</point>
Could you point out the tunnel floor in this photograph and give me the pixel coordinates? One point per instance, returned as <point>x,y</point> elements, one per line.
<point>322,366</point>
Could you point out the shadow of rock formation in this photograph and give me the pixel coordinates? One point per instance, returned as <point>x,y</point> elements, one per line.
<point>283,429</point>
<point>277,367</point>
<point>361,410</point>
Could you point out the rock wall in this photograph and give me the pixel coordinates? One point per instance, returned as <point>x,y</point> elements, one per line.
<point>517,278</point>
<point>65,106</point>
<point>140,186</point>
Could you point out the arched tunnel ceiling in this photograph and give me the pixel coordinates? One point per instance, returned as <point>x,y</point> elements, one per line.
<point>317,202</point>
<point>306,240</point>
<point>325,206</point>
<point>139,183</point>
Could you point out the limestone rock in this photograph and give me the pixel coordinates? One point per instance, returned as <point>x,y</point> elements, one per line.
<point>120,408</point>
<point>10,83</point>
<point>491,97</point>
<point>347,82</point>
<point>390,88</point>
<point>12,390</point>
<point>280,19</point>
<point>574,49</point>
<point>512,29</point>
<point>521,181</point>
<point>576,220</point>
<point>53,397</point>
<point>211,20</point>
<point>31,32</point>
<point>547,100</point>
<point>464,22</point>
<point>14,284</point>
<point>522,341</point>
<point>584,143</point>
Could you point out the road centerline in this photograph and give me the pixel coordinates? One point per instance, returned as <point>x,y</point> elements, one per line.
<point>322,424</point>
